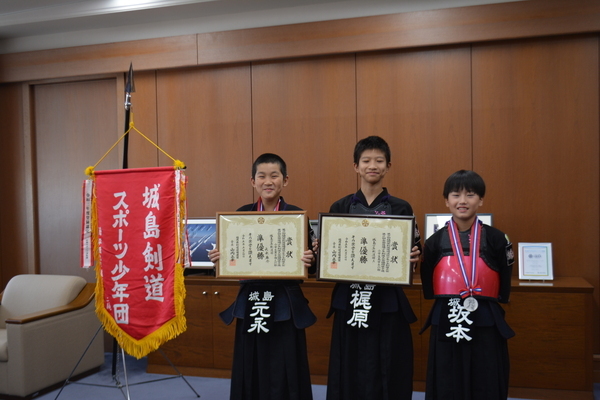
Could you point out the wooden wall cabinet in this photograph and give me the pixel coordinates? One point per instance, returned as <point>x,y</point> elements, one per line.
<point>552,348</point>
<point>206,347</point>
<point>553,344</point>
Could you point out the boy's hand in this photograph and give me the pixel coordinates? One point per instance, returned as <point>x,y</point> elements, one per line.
<point>415,256</point>
<point>214,255</point>
<point>308,258</point>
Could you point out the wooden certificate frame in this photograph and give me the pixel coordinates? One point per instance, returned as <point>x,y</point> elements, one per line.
<point>366,248</point>
<point>262,245</point>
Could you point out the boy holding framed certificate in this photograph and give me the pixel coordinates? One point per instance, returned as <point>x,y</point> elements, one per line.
<point>371,354</point>
<point>270,360</point>
<point>467,269</point>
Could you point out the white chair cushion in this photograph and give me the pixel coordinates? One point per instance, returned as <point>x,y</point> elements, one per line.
<point>29,293</point>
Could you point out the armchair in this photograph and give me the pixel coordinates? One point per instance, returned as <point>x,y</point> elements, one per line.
<point>46,323</point>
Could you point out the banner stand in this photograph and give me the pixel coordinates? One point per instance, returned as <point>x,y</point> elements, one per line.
<point>115,376</point>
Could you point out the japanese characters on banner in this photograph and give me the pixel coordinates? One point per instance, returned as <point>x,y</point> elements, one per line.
<point>139,248</point>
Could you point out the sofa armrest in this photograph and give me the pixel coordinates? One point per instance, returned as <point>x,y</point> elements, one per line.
<point>83,299</point>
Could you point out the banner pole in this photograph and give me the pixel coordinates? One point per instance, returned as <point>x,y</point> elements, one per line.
<point>129,88</point>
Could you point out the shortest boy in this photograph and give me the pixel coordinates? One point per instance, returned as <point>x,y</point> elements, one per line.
<point>467,269</point>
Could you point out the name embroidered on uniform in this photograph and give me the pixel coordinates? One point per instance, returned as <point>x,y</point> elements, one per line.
<point>458,315</point>
<point>361,305</point>
<point>260,311</point>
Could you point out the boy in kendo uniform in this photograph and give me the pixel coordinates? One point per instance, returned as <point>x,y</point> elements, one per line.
<point>467,269</point>
<point>373,360</point>
<point>271,363</point>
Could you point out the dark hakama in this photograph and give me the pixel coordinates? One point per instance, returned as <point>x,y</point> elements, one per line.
<point>477,370</point>
<point>374,363</point>
<point>272,366</point>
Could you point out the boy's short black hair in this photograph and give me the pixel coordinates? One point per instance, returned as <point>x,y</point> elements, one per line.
<point>269,158</point>
<point>464,179</point>
<point>372,143</point>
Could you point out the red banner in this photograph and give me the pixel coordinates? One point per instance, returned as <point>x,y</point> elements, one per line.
<point>139,219</point>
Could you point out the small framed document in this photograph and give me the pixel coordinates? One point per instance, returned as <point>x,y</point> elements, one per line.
<point>366,248</point>
<point>434,222</point>
<point>262,245</point>
<point>535,261</point>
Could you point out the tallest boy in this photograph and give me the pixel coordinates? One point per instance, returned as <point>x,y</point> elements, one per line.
<point>374,361</point>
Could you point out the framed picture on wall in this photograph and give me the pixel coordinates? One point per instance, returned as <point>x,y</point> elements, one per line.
<point>433,222</point>
<point>535,261</point>
<point>202,237</point>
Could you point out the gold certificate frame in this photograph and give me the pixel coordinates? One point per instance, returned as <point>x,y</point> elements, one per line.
<point>262,245</point>
<point>366,248</point>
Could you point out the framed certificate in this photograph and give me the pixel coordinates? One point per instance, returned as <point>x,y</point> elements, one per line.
<point>262,245</point>
<point>366,248</point>
<point>433,222</point>
<point>535,261</point>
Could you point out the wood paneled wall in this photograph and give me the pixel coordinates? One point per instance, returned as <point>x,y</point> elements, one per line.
<point>75,124</point>
<point>14,218</point>
<point>305,110</point>
<point>524,113</point>
<point>536,139</point>
<point>204,119</point>
<point>419,100</point>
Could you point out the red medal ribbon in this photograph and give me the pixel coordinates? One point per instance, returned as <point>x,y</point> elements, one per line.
<point>470,287</point>
<point>261,207</point>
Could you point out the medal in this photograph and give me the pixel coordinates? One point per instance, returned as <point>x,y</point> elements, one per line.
<point>470,304</point>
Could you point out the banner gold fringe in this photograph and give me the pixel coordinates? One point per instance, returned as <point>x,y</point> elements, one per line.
<point>170,330</point>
